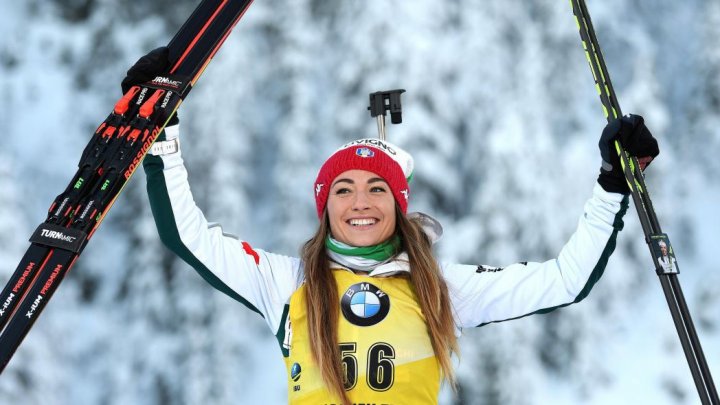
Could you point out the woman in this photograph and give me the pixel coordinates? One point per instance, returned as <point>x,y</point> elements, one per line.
<point>366,314</point>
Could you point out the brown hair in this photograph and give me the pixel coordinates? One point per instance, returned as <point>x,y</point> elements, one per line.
<point>322,301</point>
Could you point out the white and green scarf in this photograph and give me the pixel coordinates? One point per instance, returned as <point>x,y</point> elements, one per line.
<point>365,258</point>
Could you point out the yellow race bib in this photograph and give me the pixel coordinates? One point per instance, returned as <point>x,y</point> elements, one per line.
<point>386,351</point>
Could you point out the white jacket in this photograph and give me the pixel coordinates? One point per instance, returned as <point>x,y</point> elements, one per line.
<point>265,281</point>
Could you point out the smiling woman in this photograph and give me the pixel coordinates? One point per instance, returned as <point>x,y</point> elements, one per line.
<point>365,230</point>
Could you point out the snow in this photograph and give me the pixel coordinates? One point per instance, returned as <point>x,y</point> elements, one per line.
<point>501,116</point>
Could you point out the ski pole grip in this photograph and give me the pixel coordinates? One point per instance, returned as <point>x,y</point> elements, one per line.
<point>382,101</point>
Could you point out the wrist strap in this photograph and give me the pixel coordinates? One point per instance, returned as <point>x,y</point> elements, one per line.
<point>165,147</point>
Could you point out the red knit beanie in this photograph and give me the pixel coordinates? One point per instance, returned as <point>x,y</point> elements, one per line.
<point>386,160</point>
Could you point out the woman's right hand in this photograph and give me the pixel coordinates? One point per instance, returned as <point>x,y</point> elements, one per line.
<point>146,68</point>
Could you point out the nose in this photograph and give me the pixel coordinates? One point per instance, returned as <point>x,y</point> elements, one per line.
<point>361,201</point>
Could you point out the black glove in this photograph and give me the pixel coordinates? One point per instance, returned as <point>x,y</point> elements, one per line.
<point>147,68</point>
<point>636,139</point>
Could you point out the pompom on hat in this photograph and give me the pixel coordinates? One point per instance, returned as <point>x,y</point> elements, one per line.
<point>383,158</point>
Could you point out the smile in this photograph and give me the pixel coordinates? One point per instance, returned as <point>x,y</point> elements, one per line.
<point>362,221</point>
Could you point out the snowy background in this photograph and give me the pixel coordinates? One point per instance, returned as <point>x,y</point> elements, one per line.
<point>501,116</point>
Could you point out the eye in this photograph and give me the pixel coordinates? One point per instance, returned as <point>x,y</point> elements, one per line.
<point>342,190</point>
<point>378,189</point>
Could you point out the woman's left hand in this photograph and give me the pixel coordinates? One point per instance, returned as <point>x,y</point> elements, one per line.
<point>636,139</point>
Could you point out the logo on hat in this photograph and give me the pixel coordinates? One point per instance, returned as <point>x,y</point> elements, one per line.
<point>364,152</point>
<point>363,304</point>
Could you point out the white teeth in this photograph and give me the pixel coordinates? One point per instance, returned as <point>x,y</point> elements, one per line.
<point>361,222</point>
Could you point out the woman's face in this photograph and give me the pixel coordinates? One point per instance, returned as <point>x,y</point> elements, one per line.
<point>361,208</point>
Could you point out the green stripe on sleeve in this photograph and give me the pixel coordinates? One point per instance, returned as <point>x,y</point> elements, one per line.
<point>169,235</point>
<point>598,270</point>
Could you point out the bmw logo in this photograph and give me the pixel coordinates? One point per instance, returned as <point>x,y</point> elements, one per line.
<point>363,304</point>
<point>295,371</point>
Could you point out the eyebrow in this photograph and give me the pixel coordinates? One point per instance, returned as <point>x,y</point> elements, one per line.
<point>350,181</point>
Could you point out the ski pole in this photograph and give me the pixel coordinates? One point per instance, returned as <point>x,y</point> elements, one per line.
<point>657,241</point>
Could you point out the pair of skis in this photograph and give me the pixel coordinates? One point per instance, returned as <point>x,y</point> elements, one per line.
<point>114,152</point>
<point>660,249</point>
